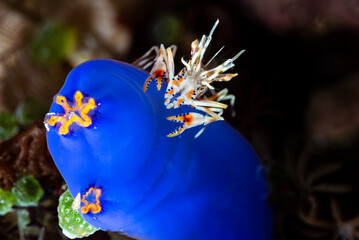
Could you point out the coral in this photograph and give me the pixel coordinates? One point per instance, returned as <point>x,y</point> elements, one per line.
<point>16,62</point>
<point>26,153</point>
<point>8,126</point>
<point>33,45</point>
<point>309,182</point>
<point>337,228</point>
<point>311,187</point>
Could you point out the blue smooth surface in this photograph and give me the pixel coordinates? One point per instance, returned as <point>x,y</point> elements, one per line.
<point>154,187</point>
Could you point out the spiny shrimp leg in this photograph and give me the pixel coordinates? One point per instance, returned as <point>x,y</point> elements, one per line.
<point>215,73</point>
<point>208,103</point>
<point>158,71</point>
<point>146,59</point>
<point>222,96</point>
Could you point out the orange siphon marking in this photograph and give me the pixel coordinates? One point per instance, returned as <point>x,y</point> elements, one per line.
<point>53,120</point>
<point>89,206</point>
<point>76,114</point>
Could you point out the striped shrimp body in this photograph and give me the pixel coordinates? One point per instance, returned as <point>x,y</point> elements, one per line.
<point>191,84</point>
<point>163,66</point>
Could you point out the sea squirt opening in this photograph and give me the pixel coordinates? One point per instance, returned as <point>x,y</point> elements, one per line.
<point>91,201</point>
<point>77,114</point>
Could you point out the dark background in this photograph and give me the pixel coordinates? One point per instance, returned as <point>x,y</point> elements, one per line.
<point>297,93</point>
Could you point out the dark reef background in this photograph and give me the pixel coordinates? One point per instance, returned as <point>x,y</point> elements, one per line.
<point>297,94</point>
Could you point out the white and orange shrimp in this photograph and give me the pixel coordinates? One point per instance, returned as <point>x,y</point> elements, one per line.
<point>189,86</point>
<point>163,66</point>
<point>189,120</point>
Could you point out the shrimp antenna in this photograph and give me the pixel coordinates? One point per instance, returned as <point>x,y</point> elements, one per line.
<point>213,28</point>
<point>209,38</point>
<point>238,55</point>
<point>215,55</point>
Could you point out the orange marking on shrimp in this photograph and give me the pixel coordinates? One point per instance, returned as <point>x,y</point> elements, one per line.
<point>170,92</point>
<point>180,79</point>
<point>147,82</point>
<point>179,102</point>
<point>175,82</point>
<point>188,119</point>
<point>190,94</point>
<point>194,46</point>
<point>77,114</point>
<point>226,77</point>
<point>89,205</point>
<point>159,75</point>
<point>178,131</point>
<point>214,97</point>
<point>179,118</point>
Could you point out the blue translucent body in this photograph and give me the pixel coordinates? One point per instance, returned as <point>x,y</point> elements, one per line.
<point>155,187</point>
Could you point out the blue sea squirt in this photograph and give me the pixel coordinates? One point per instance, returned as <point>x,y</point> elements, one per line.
<point>129,171</point>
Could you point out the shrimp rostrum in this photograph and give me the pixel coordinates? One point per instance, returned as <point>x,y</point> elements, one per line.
<point>191,84</point>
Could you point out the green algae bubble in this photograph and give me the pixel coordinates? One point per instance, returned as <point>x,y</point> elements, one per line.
<point>30,110</point>
<point>167,29</point>
<point>8,125</point>
<point>52,42</point>
<point>27,191</point>
<point>71,222</point>
<point>7,199</point>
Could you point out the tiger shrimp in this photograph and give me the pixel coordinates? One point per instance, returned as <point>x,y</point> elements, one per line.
<point>189,86</point>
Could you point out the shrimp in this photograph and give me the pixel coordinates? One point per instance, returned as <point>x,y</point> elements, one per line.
<point>191,84</point>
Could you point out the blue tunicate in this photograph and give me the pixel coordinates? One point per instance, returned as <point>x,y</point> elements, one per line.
<point>148,185</point>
